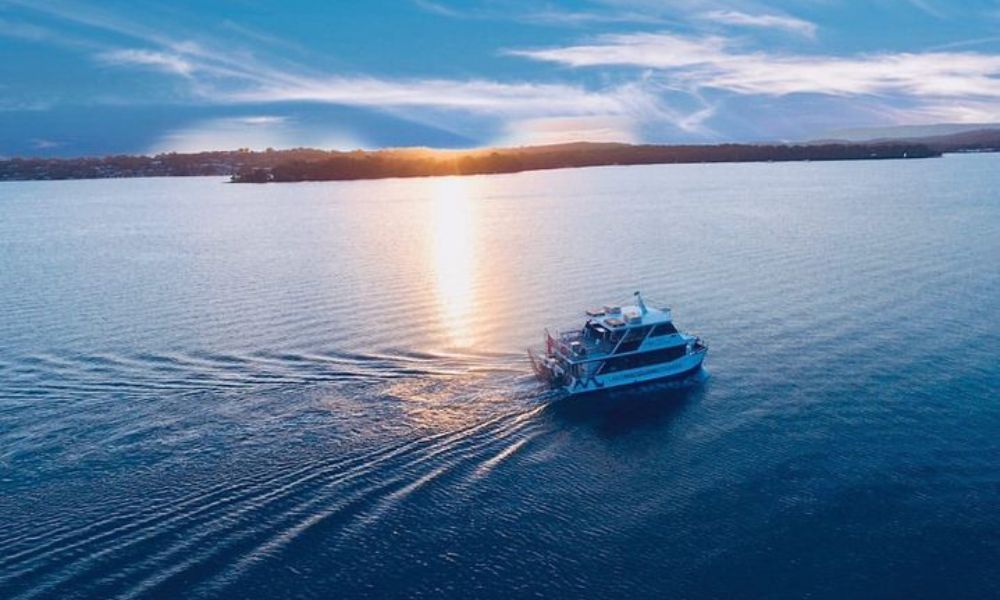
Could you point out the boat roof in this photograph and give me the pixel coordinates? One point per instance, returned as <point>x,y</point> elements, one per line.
<point>617,317</point>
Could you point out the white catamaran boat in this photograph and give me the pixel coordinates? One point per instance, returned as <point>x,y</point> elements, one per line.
<point>618,345</point>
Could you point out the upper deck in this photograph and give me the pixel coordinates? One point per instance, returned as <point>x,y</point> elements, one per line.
<point>615,317</point>
<point>614,330</point>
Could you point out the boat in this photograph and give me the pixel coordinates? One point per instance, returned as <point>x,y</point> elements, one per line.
<point>618,346</point>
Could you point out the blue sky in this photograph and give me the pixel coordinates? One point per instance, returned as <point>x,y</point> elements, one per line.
<point>80,78</point>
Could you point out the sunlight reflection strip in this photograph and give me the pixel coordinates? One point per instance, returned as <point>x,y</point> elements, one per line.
<point>452,233</point>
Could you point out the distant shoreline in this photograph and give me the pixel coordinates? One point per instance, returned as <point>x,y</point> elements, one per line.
<point>244,166</point>
<point>305,164</point>
<point>386,164</point>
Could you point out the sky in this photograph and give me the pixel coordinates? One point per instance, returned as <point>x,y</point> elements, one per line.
<point>93,78</point>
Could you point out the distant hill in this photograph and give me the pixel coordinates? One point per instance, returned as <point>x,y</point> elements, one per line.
<point>305,164</point>
<point>975,140</point>
<point>965,141</point>
<point>902,132</point>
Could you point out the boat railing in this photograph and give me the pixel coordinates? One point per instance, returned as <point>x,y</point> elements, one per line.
<point>572,335</point>
<point>574,345</point>
<point>559,343</point>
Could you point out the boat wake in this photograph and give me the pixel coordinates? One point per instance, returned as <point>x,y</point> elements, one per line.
<point>199,528</point>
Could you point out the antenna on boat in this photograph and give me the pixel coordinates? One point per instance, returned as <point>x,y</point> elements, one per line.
<point>640,303</point>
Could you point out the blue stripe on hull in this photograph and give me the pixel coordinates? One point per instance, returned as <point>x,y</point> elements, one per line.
<point>631,384</point>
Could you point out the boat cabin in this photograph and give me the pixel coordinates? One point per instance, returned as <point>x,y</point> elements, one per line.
<point>618,345</point>
<point>613,330</point>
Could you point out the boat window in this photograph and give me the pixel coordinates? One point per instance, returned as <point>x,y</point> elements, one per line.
<point>628,346</point>
<point>645,359</point>
<point>664,329</point>
<point>637,333</point>
<point>633,339</point>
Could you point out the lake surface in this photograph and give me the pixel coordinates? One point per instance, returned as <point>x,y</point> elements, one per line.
<point>320,390</point>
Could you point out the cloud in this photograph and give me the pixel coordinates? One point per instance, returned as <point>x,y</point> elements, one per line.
<point>230,75</point>
<point>939,74</point>
<point>966,43</point>
<point>437,8</point>
<point>31,32</point>
<point>474,96</point>
<point>162,61</point>
<point>770,21</point>
<point>45,144</point>
<point>261,120</point>
<point>929,8</point>
<point>695,122</point>
<point>25,31</point>
<point>557,130</point>
<point>260,37</point>
<point>24,105</point>
<point>714,62</point>
<point>220,73</point>
<point>953,112</point>
<point>576,18</point>
<point>532,15</point>
<point>900,87</point>
<point>650,50</point>
<point>254,132</point>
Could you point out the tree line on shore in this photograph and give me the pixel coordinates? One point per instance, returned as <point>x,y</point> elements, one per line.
<point>305,164</point>
<point>375,165</point>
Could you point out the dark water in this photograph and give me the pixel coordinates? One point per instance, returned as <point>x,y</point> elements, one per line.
<point>318,390</point>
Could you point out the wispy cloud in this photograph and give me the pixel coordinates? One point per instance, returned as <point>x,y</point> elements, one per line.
<point>478,96</point>
<point>36,33</point>
<point>25,31</point>
<point>695,121</point>
<point>929,7</point>
<point>766,21</point>
<point>261,37</point>
<point>255,132</point>
<point>254,82</point>
<point>437,8</point>
<point>966,43</point>
<point>45,144</point>
<point>648,50</point>
<point>715,62</point>
<point>162,61</point>
<point>17,105</point>
<point>261,120</point>
<point>557,130</point>
<point>947,111</point>
<point>230,75</point>
<point>542,15</point>
<point>553,16</point>
<point>682,81</point>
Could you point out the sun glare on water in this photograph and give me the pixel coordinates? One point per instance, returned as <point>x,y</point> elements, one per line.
<point>453,255</point>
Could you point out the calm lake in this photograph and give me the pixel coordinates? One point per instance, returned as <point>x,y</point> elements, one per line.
<point>320,390</point>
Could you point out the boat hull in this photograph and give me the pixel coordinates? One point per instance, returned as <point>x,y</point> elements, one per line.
<point>678,369</point>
